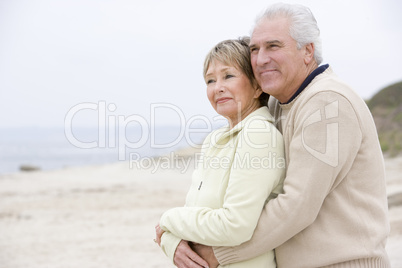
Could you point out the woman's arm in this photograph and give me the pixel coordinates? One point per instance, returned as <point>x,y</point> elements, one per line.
<point>169,243</point>
<point>252,179</point>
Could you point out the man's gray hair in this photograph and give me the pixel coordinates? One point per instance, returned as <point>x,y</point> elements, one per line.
<point>303,26</point>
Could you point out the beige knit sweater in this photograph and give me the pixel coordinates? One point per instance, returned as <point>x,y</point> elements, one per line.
<point>333,212</point>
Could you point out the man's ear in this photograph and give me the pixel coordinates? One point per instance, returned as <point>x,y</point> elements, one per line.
<point>309,53</point>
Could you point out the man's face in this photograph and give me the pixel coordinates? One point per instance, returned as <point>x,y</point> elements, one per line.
<point>278,65</point>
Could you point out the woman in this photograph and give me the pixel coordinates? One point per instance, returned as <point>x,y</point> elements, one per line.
<point>242,166</point>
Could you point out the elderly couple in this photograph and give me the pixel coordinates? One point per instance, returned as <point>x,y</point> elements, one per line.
<point>324,204</point>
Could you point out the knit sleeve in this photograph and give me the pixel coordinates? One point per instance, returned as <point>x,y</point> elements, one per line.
<point>323,143</point>
<point>252,179</point>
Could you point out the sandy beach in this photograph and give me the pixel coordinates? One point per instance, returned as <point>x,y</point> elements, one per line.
<point>104,216</point>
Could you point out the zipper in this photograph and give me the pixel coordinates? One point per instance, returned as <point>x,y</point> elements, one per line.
<point>199,187</point>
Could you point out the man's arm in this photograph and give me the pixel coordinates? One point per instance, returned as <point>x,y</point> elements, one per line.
<point>258,241</point>
<point>257,245</point>
<point>310,176</point>
<point>206,253</point>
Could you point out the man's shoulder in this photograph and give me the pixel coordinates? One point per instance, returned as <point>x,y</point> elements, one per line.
<point>329,83</point>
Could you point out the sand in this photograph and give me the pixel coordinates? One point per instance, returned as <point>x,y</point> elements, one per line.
<point>104,216</point>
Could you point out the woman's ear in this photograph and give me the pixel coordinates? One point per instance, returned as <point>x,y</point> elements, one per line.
<point>258,92</point>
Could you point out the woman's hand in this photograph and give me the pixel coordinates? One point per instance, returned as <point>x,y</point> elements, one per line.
<point>159,232</point>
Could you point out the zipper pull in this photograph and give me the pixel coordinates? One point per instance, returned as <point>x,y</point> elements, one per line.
<point>199,187</point>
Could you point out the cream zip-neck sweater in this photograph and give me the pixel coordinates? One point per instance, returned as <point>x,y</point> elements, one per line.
<point>333,212</point>
<point>240,169</point>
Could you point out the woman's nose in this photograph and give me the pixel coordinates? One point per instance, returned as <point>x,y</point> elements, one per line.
<point>219,86</point>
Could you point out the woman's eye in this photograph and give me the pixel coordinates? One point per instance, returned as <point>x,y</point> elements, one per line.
<point>210,81</point>
<point>229,76</point>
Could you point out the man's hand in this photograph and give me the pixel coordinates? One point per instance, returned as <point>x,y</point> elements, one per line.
<point>185,257</point>
<point>207,253</point>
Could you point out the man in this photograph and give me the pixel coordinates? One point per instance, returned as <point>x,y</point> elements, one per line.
<point>333,212</point>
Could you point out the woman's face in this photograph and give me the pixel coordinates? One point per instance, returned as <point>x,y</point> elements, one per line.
<point>230,92</point>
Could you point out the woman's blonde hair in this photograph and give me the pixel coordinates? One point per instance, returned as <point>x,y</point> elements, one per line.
<point>236,53</point>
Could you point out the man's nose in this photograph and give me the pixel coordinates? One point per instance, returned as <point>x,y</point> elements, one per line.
<point>263,57</point>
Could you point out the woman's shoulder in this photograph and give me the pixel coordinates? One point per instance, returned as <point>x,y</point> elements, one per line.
<point>214,134</point>
<point>259,119</point>
<point>260,129</point>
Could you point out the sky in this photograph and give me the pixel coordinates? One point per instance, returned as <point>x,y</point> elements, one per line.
<point>90,62</point>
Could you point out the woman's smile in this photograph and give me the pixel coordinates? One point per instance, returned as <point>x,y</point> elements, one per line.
<point>223,100</point>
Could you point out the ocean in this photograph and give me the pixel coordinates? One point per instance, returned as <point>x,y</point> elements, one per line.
<point>56,148</point>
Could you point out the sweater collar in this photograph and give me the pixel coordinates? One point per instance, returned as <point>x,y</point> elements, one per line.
<point>261,113</point>
<point>307,81</point>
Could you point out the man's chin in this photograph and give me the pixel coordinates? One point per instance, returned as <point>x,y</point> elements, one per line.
<point>269,89</point>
